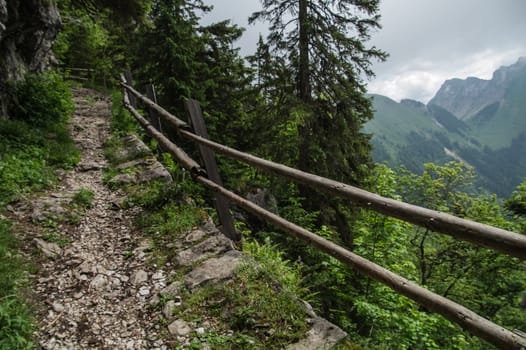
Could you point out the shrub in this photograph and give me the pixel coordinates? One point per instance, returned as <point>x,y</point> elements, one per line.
<point>41,99</point>
<point>83,198</point>
<point>15,322</point>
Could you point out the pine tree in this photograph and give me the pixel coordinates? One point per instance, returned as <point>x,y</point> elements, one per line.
<point>323,43</point>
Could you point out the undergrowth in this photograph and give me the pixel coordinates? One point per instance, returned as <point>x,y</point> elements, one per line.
<point>258,308</point>
<point>35,142</point>
<point>251,311</point>
<point>15,318</point>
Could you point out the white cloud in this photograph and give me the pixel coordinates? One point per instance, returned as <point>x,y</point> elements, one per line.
<point>421,79</point>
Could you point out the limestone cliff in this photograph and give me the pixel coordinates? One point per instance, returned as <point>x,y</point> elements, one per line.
<point>466,97</point>
<point>27,31</point>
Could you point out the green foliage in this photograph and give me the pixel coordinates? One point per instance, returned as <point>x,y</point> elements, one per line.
<point>96,35</point>
<point>482,280</point>
<point>83,198</point>
<point>253,306</point>
<point>41,99</point>
<point>517,202</point>
<point>312,103</point>
<point>123,11</point>
<point>171,221</point>
<point>122,122</point>
<point>21,171</point>
<point>36,139</point>
<point>271,260</point>
<point>15,322</point>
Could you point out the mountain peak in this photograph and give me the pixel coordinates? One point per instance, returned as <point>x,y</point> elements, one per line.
<point>464,98</point>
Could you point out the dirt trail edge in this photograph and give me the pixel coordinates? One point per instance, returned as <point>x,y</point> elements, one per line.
<point>96,285</point>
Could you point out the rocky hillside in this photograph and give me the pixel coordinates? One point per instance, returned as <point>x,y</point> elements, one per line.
<point>27,31</point>
<point>480,122</point>
<point>465,98</point>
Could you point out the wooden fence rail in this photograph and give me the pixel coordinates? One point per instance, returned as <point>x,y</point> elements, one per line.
<point>495,238</point>
<point>504,241</point>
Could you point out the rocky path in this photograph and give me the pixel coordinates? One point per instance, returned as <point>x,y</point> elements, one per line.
<point>96,285</point>
<point>96,288</point>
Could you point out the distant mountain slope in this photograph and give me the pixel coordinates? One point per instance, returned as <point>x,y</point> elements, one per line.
<point>465,98</point>
<point>481,122</point>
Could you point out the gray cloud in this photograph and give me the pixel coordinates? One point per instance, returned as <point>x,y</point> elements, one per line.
<point>438,31</point>
<point>428,40</point>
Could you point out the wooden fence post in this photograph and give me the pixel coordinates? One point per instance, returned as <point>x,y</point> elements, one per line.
<point>153,116</point>
<point>129,81</point>
<point>221,203</point>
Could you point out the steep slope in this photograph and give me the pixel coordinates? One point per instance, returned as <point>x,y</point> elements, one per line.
<point>499,123</point>
<point>465,98</point>
<point>410,133</point>
<point>395,124</point>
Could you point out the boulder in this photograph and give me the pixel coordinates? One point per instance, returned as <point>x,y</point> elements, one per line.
<point>214,270</point>
<point>323,335</point>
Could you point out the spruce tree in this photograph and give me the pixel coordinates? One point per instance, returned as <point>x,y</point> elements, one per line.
<point>324,44</point>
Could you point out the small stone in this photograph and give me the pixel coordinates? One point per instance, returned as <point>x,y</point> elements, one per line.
<point>168,309</point>
<point>123,278</point>
<point>139,277</point>
<point>322,335</point>
<point>86,267</point>
<point>158,276</point>
<point>172,290</point>
<point>214,270</point>
<point>122,179</point>
<point>144,291</point>
<point>61,335</point>
<point>179,328</point>
<point>57,307</point>
<point>154,300</point>
<point>195,236</point>
<point>99,282</point>
<point>200,331</point>
<point>50,250</point>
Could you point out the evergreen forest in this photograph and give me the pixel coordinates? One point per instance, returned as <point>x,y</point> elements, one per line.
<point>299,100</point>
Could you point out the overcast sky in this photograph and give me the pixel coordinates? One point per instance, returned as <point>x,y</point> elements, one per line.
<point>429,41</point>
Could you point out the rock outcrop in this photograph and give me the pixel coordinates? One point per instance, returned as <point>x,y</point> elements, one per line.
<point>466,97</point>
<point>28,29</point>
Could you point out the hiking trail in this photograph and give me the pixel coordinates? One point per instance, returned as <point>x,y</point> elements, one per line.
<point>96,287</point>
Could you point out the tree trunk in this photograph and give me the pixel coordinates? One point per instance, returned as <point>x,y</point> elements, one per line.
<point>304,89</point>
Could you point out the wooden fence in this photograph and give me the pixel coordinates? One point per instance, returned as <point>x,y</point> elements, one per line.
<point>501,240</point>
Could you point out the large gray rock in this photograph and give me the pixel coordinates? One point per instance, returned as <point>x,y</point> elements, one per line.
<point>28,29</point>
<point>179,328</point>
<point>133,149</point>
<point>51,250</point>
<point>142,166</point>
<point>264,199</point>
<point>214,270</point>
<point>216,244</point>
<point>323,335</point>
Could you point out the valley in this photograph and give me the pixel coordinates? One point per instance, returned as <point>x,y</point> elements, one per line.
<point>480,122</point>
